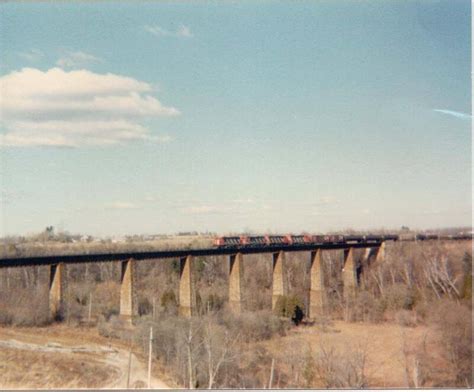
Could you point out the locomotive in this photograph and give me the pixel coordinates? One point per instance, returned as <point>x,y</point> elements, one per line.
<point>302,239</point>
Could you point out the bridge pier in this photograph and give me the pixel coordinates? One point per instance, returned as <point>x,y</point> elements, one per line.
<point>367,255</point>
<point>279,282</point>
<point>128,300</point>
<point>317,288</point>
<point>349,274</point>
<point>380,253</point>
<point>375,254</point>
<point>57,290</point>
<point>186,287</point>
<point>235,282</point>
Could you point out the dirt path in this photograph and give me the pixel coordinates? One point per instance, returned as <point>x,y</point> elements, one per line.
<point>115,359</point>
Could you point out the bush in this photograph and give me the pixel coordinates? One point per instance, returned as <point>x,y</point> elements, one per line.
<point>169,302</point>
<point>212,303</point>
<point>6,316</point>
<point>286,305</point>
<point>25,307</point>
<point>114,328</point>
<point>367,308</point>
<point>453,322</point>
<point>144,307</point>
<point>405,318</point>
<point>255,326</point>
<point>399,296</point>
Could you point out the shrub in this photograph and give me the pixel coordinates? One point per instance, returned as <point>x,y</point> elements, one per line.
<point>25,307</point>
<point>454,323</point>
<point>367,308</point>
<point>255,326</point>
<point>144,307</point>
<point>286,305</point>
<point>405,318</point>
<point>399,296</point>
<point>213,302</point>
<point>169,302</point>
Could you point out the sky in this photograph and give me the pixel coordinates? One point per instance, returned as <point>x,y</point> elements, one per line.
<point>273,116</point>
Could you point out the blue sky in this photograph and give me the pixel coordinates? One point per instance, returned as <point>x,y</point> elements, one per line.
<point>122,118</point>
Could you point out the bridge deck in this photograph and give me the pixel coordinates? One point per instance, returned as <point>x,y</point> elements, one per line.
<point>177,253</point>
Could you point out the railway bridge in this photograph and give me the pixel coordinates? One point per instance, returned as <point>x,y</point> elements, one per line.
<point>375,248</point>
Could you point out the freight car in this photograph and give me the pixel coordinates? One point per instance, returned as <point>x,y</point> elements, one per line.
<point>290,239</point>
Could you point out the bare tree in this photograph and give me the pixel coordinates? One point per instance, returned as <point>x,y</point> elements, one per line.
<point>192,346</point>
<point>440,276</point>
<point>219,345</point>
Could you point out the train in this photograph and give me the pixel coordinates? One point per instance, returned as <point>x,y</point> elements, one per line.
<point>460,236</point>
<point>310,239</point>
<point>301,239</point>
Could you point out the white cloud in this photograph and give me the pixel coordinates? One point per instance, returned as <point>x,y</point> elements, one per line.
<point>463,116</point>
<point>32,55</point>
<point>150,198</point>
<point>121,205</point>
<point>159,139</point>
<point>157,30</point>
<point>76,108</point>
<point>325,201</point>
<point>77,59</point>
<point>182,31</point>
<point>244,201</point>
<point>235,207</point>
<point>203,210</point>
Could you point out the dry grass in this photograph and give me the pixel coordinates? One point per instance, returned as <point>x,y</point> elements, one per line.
<point>383,343</point>
<point>34,369</point>
<point>29,369</point>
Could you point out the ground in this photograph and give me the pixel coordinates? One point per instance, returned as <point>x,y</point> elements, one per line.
<point>384,343</point>
<point>59,356</point>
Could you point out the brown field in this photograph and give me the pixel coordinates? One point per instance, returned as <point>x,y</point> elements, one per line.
<point>61,356</point>
<point>383,343</point>
<point>27,368</point>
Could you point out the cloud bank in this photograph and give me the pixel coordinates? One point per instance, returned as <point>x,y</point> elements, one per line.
<point>76,108</point>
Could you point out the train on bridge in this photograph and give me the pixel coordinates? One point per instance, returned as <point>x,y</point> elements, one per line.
<point>308,239</point>
<point>427,237</point>
<point>302,239</point>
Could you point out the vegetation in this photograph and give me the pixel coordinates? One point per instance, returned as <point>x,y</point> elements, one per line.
<point>425,286</point>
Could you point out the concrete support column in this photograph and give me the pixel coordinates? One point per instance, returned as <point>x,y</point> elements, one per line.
<point>57,289</point>
<point>317,293</point>
<point>367,255</point>
<point>349,273</point>
<point>235,282</point>
<point>186,288</point>
<point>380,253</point>
<point>279,282</point>
<point>128,300</point>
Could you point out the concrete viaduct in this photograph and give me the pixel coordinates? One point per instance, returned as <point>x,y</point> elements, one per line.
<point>186,298</point>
